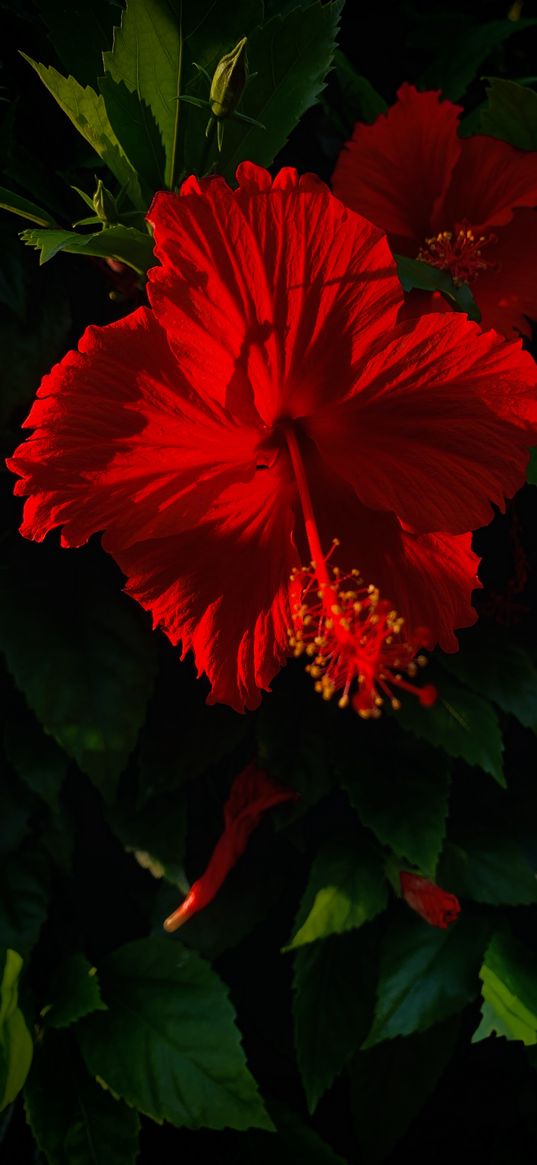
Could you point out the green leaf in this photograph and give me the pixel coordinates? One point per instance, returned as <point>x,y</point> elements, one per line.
<point>400,790</point>
<point>16,809</point>
<point>154,830</point>
<point>509,978</point>
<point>168,1044</point>
<point>291,55</point>
<point>16,1044</point>
<point>23,207</point>
<point>141,87</point>
<point>500,670</point>
<point>426,974</point>
<point>125,244</point>
<point>294,741</point>
<point>461,723</point>
<point>463,52</point>
<point>391,1082</point>
<point>73,1119</point>
<point>361,102</point>
<point>76,993</point>
<point>334,993</point>
<point>414,273</point>
<point>346,888</point>
<point>491,868</point>
<point>87,111</point>
<point>293,1143</point>
<point>532,467</point>
<point>79,33</point>
<point>24,895</point>
<point>35,757</point>
<point>83,656</point>
<point>135,127</point>
<point>510,114</point>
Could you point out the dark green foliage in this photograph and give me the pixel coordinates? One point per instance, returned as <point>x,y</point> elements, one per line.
<point>426,975</point>
<point>461,723</point>
<point>510,113</point>
<point>346,888</point>
<point>404,801</point>
<point>391,1082</point>
<point>73,1119</point>
<point>305,1015</point>
<point>124,244</point>
<point>334,980</point>
<point>459,46</point>
<point>167,1042</point>
<point>76,993</point>
<point>509,989</point>
<point>93,703</point>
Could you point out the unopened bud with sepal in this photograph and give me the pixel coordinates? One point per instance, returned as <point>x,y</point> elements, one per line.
<point>229,81</point>
<point>105,204</point>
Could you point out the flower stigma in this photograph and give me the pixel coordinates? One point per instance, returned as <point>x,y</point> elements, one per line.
<point>458,252</point>
<point>354,640</point>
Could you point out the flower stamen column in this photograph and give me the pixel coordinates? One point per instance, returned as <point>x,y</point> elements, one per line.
<point>353,637</point>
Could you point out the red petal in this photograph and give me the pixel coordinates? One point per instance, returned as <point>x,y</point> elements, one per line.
<point>432,584</point>
<point>117,441</point>
<point>436,906</point>
<point>221,586</point>
<point>439,425</point>
<point>395,171</point>
<point>255,283</point>
<point>252,793</point>
<point>204,538</point>
<point>428,578</point>
<point>490,179</point>
<point>508,294</point>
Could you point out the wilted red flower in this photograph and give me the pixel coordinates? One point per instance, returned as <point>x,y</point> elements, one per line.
<point>265,404</point>
<point>462,204</point>
<point>435,905</point>
<point>251,794</point>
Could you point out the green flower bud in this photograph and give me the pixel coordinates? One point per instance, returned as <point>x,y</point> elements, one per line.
<point>104,203</point>
<point>229,80</point>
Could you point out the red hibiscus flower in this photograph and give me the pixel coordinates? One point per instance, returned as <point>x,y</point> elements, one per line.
<point>436,906</point>
<point>266,403</point>
<point>252,793</point>
<point>461,204</point>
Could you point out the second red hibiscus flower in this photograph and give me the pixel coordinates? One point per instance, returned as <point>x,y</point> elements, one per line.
<point>465,205</point>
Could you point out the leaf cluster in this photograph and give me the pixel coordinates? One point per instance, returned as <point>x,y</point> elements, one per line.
<point>306,1014</point>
